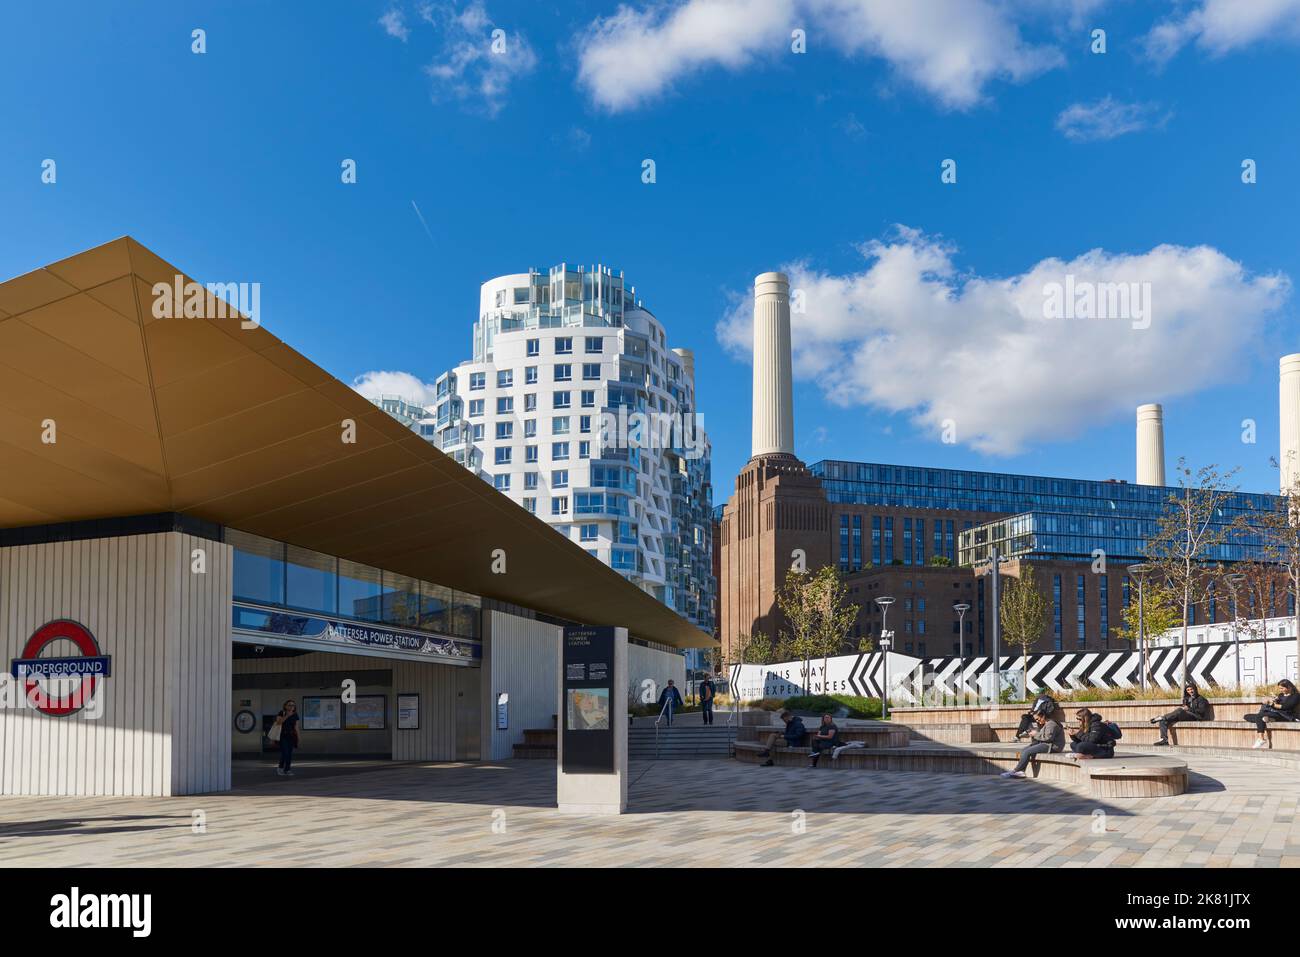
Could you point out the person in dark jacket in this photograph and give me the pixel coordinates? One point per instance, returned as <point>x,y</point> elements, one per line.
<point>670,699</point>
<point>794,734</point>
<point>1044,704</point>
<point>1091,738</point>
<point>287,720</point>
<point>1048,738</point>
<point>707,693</point>
<point>1285,707</point>
<point>1194,708</point>
<point>825,738</point>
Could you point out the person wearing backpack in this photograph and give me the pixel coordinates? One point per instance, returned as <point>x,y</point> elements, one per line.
<point>1045,705</point>
<point>794,734</point>
<point>1050,738</point>
<point>285,733</point>
<point>1285,707</point>
<point>1194,708</point>
<point>1093,737</point>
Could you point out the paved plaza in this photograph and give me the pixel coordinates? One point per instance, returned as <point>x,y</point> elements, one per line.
<point>1235,814</point>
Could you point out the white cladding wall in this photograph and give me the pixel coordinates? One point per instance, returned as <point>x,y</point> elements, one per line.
<point>649,664</point>
<point>521,658</point>
<point>163,725</point>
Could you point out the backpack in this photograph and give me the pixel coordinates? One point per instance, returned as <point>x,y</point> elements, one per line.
<point>1113,729</point>
<point>1044,704</point>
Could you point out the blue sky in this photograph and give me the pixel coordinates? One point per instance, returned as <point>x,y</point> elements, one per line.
<point>228,164</point>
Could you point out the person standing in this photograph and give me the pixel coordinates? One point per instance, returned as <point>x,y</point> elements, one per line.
<point>707,693</point>
<point>287,722</point>
<point>669,699</point>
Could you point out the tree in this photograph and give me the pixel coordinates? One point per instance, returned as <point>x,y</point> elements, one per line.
<point>1279,529</point>
<point>814,606</point>
<point>1188,533</point>
<point>1024,611</point>
<point>834,616</point>
<point>796,601</point>
<point>940,561</point>
<point>1160,612</point>
<point>757,649</point>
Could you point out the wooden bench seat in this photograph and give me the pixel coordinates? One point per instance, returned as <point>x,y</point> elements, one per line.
<point>1283,735</point>
<point>876,734</point>
<point>1123,776</point>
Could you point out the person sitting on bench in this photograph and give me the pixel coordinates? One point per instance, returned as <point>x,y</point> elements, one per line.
<point>1093,737</point>
<point>1044,704</point>
<point>1194,708</point>
<point>1285,707</point>
<point>1049,738</point>
<point>825,738</point>
<point>793,733</point>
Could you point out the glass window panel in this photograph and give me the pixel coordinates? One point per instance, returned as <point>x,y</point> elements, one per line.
<point>401,602</point>
<point>435,608</point>
<point>465,615</point>
<point>259,567</point>
<point>359,591</point>
<point>311,581</point>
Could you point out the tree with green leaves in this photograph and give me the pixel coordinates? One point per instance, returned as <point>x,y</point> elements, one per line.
<point>757,649</point>
<point>1024,611</point>
<point>834,615</point>
<point>1279,528</point>
<point>796,601</point>
<point>1187,535</point>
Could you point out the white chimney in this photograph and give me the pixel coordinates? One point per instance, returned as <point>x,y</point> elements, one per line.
<point>1288,457</point>
<point>773,399</point>
<point>1150,445</point>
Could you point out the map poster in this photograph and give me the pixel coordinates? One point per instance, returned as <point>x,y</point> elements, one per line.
<point>408,712</point>
<point>368,714</point>
<point>588,705</point>
<point>322,714</point>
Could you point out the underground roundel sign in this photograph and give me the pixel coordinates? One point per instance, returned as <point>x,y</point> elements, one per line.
<point>60,686</point>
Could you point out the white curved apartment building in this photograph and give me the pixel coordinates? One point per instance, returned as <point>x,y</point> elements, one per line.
<point>564,408</point>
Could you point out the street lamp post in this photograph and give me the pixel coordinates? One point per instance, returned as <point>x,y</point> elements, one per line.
<point>1140,572</point>
<point>961,608</point>
<point>884,601</point>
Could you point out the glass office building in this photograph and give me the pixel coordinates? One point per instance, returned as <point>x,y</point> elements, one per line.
<point>1059,518</point>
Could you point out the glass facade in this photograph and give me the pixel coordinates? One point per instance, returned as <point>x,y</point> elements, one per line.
<point>1048,517</point>
<point>273,573</point>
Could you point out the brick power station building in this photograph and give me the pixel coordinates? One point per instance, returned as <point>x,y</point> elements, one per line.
<point>913,533</point>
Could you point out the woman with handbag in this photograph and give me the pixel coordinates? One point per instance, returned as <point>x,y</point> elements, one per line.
<point>285,733</point>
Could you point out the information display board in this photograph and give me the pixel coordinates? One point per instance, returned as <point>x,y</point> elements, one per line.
<point>408,712</point>
<point>369,713</point>
<point>587,704</point>
<point>322,713</point>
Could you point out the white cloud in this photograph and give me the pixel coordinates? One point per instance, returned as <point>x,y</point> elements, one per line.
<point>1223,26</point>
<point>376,383</point>
<point>949,48</point>
<point>394,24</point>
<point>472,66</point>
<point>635,55</point>
<point>910,333</point>
<point>1107,119</point>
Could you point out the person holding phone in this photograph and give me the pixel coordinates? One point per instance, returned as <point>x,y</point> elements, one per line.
<point>287,722</point>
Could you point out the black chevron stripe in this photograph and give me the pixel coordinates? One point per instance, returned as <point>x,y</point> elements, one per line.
<point>853,675</point>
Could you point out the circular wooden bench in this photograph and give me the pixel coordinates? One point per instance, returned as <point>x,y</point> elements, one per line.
<point>1123,776</point>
